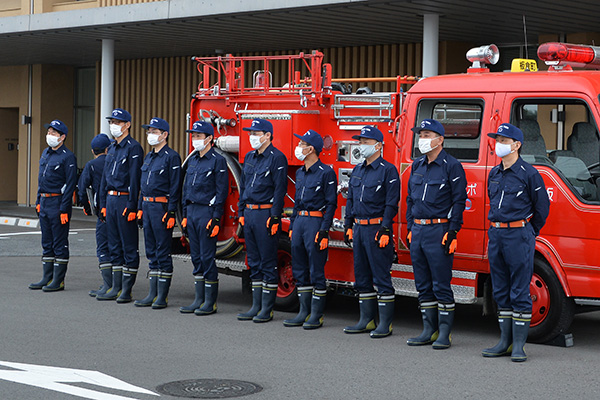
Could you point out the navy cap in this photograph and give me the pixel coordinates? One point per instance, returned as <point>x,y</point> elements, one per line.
<point>430,125</point>
<point>509,131</point>
<point>369,132</point>
<point>157,123</point>
<point>120,114</point>
<point>312,138</point>
<point>58,125</point>
<point>100,142</point>
<point>259,124</point>
<point>202,127</point>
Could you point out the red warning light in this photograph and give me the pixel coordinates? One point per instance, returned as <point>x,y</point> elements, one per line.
<point>562,54</point>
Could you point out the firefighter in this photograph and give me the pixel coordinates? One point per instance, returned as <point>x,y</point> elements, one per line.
<point>56,184</point>
<point>205,190</point>
<point>262,190</point>
<point>437,191</point>
<point>159,196</point>
<point>314,206</point>
<point>119,192</point>
<point>91,178</point>
<point>519,206</point>
<point>373,195</point>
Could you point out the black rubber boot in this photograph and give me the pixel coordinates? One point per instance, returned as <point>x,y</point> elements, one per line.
<point>504,346</point>
<point>198,299</point>
<point>269,294</point>
<point>106,273</point>
<point>164,283</point>
<point>58,276</point>
<point>367,303</point>
<point>317,306</point>
<point>520,330</point>
<point>304,297</point>
<point>429,314</point>
<point>152,291</point>
<point>445,321</point>
<point>385,303</point>
<point>256,302</point>
<point>211,290</point>
<point>117,284</point>
<point>129,276</point>
<point>47,271</point>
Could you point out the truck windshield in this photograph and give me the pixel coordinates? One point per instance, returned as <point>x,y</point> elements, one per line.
<point>462,123</point>
<point>562,134</point>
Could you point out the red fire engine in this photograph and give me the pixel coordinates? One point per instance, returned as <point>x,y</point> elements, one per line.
<point>558,111</point>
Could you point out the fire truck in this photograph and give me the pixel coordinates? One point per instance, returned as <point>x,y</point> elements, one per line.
<point>558,111</point>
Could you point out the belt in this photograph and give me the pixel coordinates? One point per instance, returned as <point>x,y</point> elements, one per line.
<point>431,221</point>
<point>259,206</point>
<point>310,213</point>
<point>513,224</point>
<point>162,199</point>
<point>117,193</point>
<point>372,221</point>
<point>50,194</point>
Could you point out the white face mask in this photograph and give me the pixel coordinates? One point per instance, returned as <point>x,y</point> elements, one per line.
<point>199,144</point>
<point>115,130</point>
<point>502,150</point>
<point>298,152</point>
<point>425,145</point>
<point>367,150</point>
<point>52,140</point>
<point>153,139</point>
<point>255,142</point>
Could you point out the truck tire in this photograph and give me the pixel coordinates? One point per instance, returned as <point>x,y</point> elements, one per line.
<point>287,298</point>
<point>552,311</point>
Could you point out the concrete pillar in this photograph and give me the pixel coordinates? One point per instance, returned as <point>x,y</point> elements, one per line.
<point>107,83</point>
<point>431,27</point>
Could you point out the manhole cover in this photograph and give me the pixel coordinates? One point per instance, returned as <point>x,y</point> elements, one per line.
<point>209,388</point>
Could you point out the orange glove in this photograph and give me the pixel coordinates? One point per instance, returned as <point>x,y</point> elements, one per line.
<point>169,219</point>
<point>64,218</point>
<point>273,225</point>
<point>408,239</point>
<point>242,221</point>
<point>449,242</point>
<point>322,239</point>
<point>102,216</point>
<point>37,209</point>
<point>348,237</point>
<point>129,214</point>
<point>290,234</point>
<point>140,219</point>
<point>184,223</point>
<point>383,236</point>
<point>213,227</point>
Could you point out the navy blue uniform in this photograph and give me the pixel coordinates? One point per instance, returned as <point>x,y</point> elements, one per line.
<point>205,190</point>
<point>56,183</point>
<point>316,191</point>
<point>92,177</point>
<point>119,190</point>
<point>373,193</point>
<point>262,190</point>
<point>436,190</point>
<point>516,194</point>
<point>159,193</point>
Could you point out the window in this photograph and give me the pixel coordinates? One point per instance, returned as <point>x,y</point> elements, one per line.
<point>561,134</point>
<point>85,102</point>
<point>462,122</point>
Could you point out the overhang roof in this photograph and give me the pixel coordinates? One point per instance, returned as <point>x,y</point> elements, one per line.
<point>192,27</point>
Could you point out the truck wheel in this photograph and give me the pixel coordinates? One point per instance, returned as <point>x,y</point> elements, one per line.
<point>552,311</point>
<point>287,299</point>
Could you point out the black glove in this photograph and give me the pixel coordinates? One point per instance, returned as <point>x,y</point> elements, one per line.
<point>140,219</point>
<point>87,210</point>
<point>322,240</point>
<point>348,235</point>
<point>169,219</point>
<point>383,236</point>
<point>449,242</point>
<point>213,227</point>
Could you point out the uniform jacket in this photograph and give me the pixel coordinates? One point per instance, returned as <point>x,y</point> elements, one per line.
<point>58,174</point>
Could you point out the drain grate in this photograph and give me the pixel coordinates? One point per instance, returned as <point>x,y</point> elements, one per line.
<point>209,388</point>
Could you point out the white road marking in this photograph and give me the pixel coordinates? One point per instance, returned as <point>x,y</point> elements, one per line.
<point>71,232</point>
<point>55,378</point>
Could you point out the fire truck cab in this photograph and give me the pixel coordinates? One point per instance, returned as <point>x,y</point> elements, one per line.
<point>557,110</point>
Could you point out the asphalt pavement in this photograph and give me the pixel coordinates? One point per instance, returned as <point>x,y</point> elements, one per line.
<point>147,348</point>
